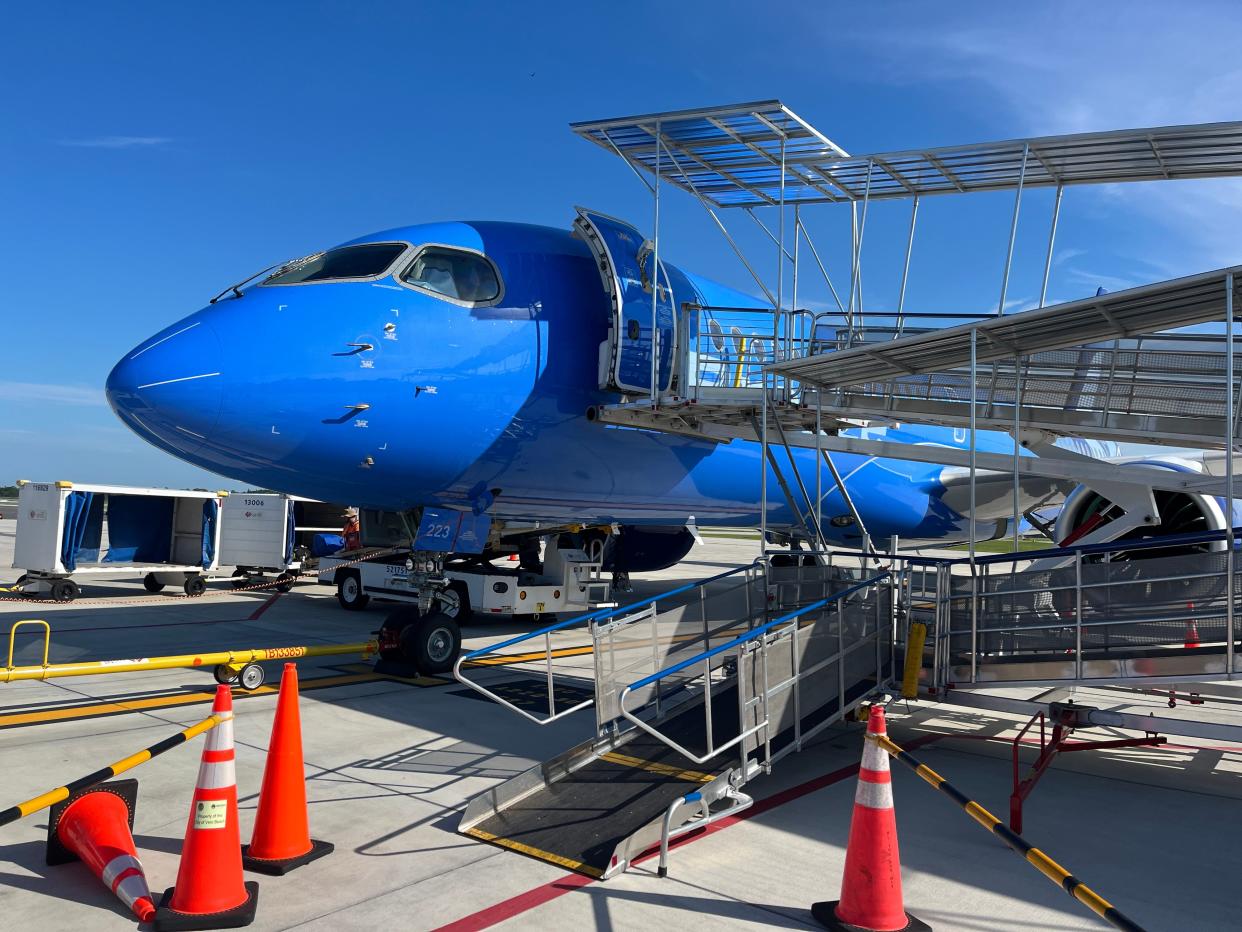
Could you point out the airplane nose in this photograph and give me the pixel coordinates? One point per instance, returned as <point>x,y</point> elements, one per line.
<point>169,388</point>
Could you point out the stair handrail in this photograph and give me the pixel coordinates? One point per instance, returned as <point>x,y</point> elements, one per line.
<point>752,635</point>
<point>546,633</point>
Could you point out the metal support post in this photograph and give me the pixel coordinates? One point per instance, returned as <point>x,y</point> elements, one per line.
<point>1052,236</point>
<point>1230,557</point>
<point>780,263</point>
<point>1017,448</point>
<point>810,243</point>
<point>1013,231</point>
<point>974,577</point>
<point>905,269</point>
<point>655,278</point>
<point>763,469</point>
<point>849,501</point>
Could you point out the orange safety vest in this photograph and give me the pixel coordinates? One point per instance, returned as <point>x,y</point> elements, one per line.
<point>352,534</point>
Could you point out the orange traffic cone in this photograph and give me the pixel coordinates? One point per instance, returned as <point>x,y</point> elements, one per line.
<point>96,825</point>
<point>871,886</point>
<point>1192,629</point>
<point>281,839</point>
<point>210,892</point>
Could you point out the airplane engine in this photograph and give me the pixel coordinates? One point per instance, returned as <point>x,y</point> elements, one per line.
<point>641,549</point>
<point>1155,577</point>
<point>1178,513</point>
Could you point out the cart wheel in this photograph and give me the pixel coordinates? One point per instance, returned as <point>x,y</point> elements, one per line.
<point>349,591</point>
<point>224,675</point>
<point>195,586</point>
<point>285,582</point>
<point>151,584</point>
<point>251,677</point>
<point>434,643</point>
<point>21,581</point>
<point>65,590</point>
<point>240,578</point>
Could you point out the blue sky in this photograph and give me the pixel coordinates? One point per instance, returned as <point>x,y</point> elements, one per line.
<point>151,154</point>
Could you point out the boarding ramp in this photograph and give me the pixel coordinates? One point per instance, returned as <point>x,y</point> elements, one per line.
<point>694,692</point>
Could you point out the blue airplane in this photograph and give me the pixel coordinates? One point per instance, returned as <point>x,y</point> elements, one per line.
<point>454,365</point>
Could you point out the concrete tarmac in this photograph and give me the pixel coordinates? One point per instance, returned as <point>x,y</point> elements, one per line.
<point>391,763</point>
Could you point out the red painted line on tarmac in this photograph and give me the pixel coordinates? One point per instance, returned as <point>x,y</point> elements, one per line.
<point>258,612</point>
<point>524,902</point>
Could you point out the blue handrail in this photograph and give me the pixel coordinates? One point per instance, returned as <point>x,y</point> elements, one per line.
<point>753,633</point>
<point>602,613</point>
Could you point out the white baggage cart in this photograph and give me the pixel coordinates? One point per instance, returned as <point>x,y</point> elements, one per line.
<point>271,534</point>
<point>67,530</point>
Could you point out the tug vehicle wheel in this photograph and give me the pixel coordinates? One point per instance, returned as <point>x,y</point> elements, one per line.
<point>349,591</point>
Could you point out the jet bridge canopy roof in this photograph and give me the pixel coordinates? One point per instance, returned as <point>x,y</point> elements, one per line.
<point>1145,310</point>
<point>1129,366</point>
<point>731,156</point>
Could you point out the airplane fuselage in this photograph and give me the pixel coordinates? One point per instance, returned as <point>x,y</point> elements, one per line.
<point>377,392</point>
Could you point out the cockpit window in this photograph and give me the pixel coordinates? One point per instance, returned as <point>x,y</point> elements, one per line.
<point>365,261</point>
<point>454,273</point>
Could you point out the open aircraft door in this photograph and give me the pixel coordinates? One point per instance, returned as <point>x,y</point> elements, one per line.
<point>625,262</point>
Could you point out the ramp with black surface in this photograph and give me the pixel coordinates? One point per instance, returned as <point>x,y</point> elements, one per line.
<point>594,809</point>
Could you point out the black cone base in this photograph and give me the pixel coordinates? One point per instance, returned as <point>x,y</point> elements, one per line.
<point>126,789</point>
<point>826,915</point>
<point>263,866</point>
<point>169,920</point>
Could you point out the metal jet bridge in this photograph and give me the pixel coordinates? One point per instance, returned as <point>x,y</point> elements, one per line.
<point>699,690</point>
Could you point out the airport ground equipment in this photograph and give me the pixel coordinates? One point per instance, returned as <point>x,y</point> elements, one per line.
<point>67,530</point>
<point>240,667</point>
<point>272,534</point>
<point>694,692</point>
<point>442,578</point>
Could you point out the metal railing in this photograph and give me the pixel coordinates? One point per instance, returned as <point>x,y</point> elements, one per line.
<point>728,347</point>
<point>1125,610</point>
<point>607,628</point>
<point>752,656</point>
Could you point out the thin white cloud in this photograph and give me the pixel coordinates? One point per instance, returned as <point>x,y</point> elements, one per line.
<point>44,393</point>
<point>116,142</point>
<point>1074,68</point>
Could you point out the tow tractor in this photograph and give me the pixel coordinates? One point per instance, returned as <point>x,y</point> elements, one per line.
<point>444,577</point>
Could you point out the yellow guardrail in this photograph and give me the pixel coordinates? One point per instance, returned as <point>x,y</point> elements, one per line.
<point>233,660</point>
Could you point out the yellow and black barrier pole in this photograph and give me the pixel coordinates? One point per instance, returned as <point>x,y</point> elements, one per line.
<point>233,659</point>
<point>1044,864</point>
<point>51,797</point>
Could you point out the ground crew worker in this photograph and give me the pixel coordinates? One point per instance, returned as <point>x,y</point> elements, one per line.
<point>352,532</point>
